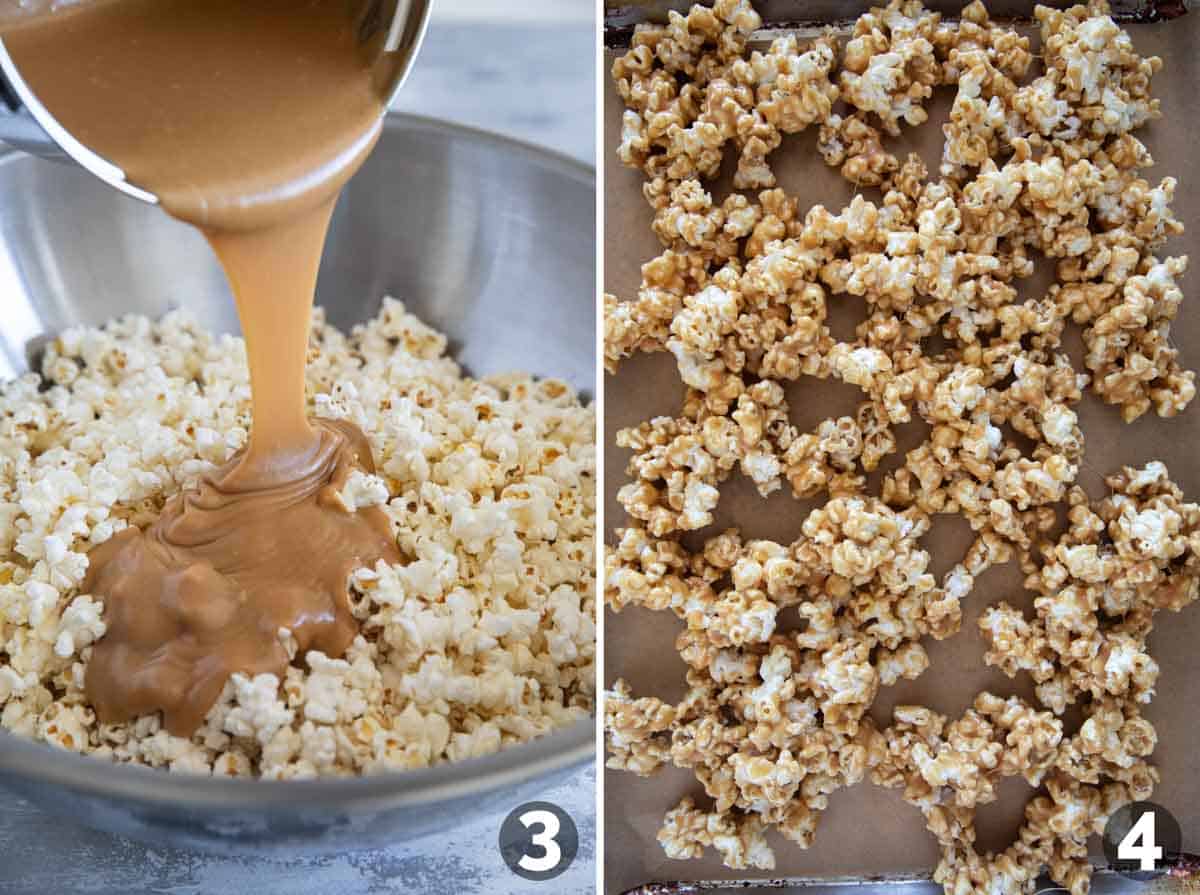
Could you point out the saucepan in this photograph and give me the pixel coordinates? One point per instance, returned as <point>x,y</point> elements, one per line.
<point>391,31</point>
<point>489,240</point>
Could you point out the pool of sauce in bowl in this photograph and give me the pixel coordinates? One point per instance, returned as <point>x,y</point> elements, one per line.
<point>245,119</point>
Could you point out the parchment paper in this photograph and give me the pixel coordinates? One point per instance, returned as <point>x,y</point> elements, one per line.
<point>867,829</point>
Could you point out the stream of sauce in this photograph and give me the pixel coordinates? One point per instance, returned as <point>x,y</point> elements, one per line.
<point>245,118</point>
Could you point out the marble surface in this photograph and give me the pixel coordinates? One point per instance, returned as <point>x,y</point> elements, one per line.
<point>531,79</point>
<point>43,855</point>
<point>507,11</point>
<point>535,82</point>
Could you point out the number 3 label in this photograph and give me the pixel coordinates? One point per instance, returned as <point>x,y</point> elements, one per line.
<point>538,840</point>
<point>545,840</point>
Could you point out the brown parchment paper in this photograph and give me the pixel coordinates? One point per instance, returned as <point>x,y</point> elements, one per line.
<point>867,829</point>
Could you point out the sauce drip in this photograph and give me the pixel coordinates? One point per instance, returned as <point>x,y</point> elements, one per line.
<point>203,592</point>
<point>245,119</point>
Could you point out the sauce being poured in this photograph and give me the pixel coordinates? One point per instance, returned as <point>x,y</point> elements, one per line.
<point>245,119</point>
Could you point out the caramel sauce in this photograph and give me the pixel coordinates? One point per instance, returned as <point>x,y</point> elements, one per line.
<point>244,119</point>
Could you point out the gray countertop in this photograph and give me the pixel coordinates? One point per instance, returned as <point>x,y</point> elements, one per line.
<point>533,80</point>
<point>42,855</point>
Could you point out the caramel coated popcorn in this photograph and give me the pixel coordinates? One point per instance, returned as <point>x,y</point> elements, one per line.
<point>787,645</point>
<point>481,638</point>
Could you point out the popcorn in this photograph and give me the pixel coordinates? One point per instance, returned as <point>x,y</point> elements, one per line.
<point>482,638</point>
<point>1040,159</point>
<point>258,712</point>
<point>65,726</point>
<point>80,625</point>
<point>331,693</point>
<point>1128,351</point>
<point>362,490</point>
<point>638,730</point>
<point>672,129</point>
<point>792,89</point>
<point>889,68</point>
<point>740,841</point>
<point>688,92</point>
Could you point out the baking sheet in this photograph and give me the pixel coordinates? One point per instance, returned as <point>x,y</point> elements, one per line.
<point>621,16</point>
<point>867,829</point>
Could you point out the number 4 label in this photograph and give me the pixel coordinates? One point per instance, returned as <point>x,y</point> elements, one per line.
<point>1139,845</point>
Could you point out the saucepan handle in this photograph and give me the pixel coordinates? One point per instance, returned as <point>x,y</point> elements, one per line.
<point>26,124</point>
<point>20,129</point>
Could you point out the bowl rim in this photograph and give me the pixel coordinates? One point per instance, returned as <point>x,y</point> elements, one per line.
<point>40,763</point>
<point>566,164</point>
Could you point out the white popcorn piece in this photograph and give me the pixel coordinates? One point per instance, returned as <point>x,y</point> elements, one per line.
<point>258,711</point>
<point>362,490</point>
<point>81,625</point>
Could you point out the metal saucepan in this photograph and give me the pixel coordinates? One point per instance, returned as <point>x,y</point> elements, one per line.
<point>489,240</point>
<point>391,29</point>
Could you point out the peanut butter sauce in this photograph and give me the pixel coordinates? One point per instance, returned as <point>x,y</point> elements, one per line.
<point>245,118</point>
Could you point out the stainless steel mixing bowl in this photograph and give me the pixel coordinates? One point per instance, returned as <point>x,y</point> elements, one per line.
<point>489,240</point>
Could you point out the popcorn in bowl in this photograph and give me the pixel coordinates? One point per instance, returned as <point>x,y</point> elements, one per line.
<point>482,637</point>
